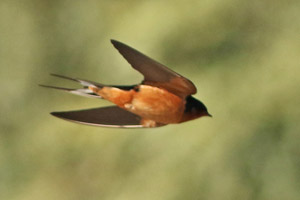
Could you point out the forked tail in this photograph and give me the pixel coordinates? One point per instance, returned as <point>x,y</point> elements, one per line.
<point>85,91</point>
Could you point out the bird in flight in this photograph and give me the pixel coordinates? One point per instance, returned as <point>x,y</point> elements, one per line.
<point>163,97</point>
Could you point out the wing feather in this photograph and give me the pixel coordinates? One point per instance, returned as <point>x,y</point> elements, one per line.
<point>154,73</point>
<point>111,116</point>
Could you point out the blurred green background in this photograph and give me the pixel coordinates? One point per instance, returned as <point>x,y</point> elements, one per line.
<point>242,55</point>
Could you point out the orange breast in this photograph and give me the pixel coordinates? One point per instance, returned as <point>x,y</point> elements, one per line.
<point>157,104</point>
<point>149,102</point>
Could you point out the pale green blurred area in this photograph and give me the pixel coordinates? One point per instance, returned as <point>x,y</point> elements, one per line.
<point>243,56</point>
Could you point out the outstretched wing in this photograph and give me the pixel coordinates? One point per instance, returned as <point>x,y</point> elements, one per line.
<point>156,74</point>
<point>111,116</point>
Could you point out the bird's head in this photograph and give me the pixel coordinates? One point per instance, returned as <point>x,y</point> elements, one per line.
<point>194,109</point>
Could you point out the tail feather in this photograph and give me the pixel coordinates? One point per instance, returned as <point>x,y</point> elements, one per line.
<point>81,81</point>
<point>81,92</point>
<point>58,88</point>
<point>85,91</point>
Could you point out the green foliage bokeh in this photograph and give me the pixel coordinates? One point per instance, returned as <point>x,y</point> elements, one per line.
<point>243,56</point>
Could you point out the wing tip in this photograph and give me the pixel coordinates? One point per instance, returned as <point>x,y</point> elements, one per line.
<point>60,115</point>
<point>116,43</point>
<point>55,114</point>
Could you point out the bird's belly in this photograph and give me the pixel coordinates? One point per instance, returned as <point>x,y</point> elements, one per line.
<point>157,104</point>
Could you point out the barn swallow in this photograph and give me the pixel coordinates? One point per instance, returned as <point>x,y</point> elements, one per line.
<point>163,97</point>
